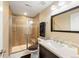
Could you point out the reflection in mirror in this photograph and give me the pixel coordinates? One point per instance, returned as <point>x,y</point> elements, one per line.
<point>67,21</point>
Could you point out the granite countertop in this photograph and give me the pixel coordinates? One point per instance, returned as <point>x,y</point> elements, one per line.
<point>60,51</point>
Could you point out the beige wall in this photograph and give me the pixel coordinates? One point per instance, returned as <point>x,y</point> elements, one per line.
<point>45,16</point>
<point>6,28</point>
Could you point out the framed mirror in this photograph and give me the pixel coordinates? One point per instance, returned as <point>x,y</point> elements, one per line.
<point>67,21</point>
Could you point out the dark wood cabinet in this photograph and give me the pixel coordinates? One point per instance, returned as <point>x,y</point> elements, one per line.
<point>44,53</point>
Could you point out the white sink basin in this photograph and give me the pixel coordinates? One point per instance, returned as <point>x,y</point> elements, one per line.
<point>54,44</point>
<point>62,47</point>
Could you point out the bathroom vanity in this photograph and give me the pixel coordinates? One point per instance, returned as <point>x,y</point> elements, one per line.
<point>45,53</point>
<point>51,49</point>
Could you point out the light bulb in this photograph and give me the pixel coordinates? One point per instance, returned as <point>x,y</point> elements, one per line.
<point>31,22</point>
<point>25,13</point>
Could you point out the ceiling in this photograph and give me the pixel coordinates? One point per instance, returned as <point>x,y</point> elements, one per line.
<point>32,8</point>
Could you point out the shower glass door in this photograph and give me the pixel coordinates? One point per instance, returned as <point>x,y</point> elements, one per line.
<point>18,38</point>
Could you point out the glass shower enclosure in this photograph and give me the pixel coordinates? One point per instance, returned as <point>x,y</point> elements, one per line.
<point>20,33</point>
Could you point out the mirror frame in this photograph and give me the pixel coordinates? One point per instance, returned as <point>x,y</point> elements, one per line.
<point>52,30</point>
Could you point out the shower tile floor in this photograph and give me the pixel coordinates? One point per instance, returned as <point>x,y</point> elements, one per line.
<point>18,51</point>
